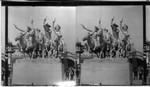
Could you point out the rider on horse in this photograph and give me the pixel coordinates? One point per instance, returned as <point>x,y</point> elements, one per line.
<point>124,30</point>
<point>58,39</point>
<point>115,30</point>
<point>94,35</point>
<point>26,35</point>
<point>126,39</point>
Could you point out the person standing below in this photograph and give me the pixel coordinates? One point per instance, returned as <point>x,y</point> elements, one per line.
<point>66,73</point>
<point>71,73</point>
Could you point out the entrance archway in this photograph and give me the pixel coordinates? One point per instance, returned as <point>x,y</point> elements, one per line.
<point>68,64</point>
<point>139,71</point>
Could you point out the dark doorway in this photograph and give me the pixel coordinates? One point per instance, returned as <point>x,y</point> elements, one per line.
<point>68,69</point>
<point>139,70</point>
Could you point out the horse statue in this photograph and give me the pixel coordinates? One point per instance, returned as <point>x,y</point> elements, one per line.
<point>23,42</point>
<point>89,45</point>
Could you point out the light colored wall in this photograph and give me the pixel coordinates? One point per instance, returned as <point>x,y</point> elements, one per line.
<point>106,73</point>
<point>39,72</point>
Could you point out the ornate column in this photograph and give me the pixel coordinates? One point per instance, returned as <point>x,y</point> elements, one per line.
<point>9,65</point>
<point>79,51</point>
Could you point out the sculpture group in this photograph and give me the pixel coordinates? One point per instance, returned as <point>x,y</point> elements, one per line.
<point>104,43</point>
<point>100,41</point>
<point>37,44</point>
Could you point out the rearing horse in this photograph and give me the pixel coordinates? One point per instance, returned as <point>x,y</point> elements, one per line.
<point>90,45</point>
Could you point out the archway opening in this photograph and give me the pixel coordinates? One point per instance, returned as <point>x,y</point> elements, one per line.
<point>68,63</point>
<point>138,70</point>
<point>68,69</point>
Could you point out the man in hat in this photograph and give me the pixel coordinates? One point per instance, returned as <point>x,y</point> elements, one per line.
<point>94,35</point>
<point>126,38</point>
<point>47,29</point>
<point>26,35</point>
<point>115,32</point>
<point>115,29</point>
<point>124,30</point>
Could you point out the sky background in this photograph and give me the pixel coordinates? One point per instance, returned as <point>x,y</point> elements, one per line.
<point>132,15</point>
<point>65,17</point>
<point>148,23</point>
<point>2,29</point>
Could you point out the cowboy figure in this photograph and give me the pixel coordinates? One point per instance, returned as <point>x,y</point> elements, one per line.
<point>115,29</point>
<point>126,39</point>
<point>124,30</point>
<point>58,39</point>
<point>26,35</point>
<point>94,35</point>
<point>47,29</point>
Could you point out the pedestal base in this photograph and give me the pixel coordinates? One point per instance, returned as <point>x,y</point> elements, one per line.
<point>105,72</point>
<point>37,72</point>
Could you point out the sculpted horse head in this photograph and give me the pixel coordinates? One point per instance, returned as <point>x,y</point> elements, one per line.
<point>21,39</point>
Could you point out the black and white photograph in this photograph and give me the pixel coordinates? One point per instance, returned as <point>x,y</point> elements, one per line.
<point>109,36</point>
<point>147,44</point>
<point>41,37</point>
<point>79,45</point>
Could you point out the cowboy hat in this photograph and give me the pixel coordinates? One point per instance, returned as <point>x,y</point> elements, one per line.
<point>48,25</point>
<point>115,25</point>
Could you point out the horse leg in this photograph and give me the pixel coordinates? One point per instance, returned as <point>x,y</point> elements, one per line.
<point>101,53</point>
<point>36,53</point>
<point>40,53</point>
<point>51,52</point>
<point>29,55</point>
<point>19,46</point>
<point>97,55</point>
<point>43,53</point>
<point>57,51</point>
<point>32,54</point>
<point>104,51</point>
<point>46,53</point>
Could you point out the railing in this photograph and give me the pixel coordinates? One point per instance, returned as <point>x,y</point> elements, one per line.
<point>137,54</point>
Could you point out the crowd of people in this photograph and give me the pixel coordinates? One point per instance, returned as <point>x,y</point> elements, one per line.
<point>70,73</point>
<point>108,44</point>
<point>36,43</point>
<point>138,73</point>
